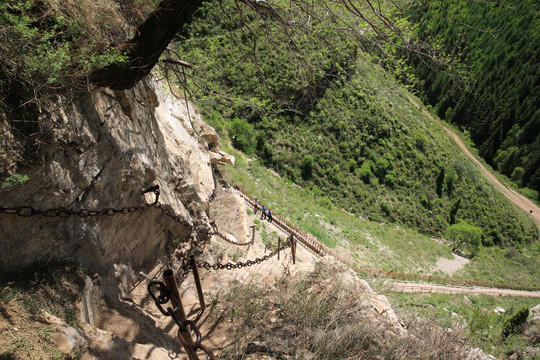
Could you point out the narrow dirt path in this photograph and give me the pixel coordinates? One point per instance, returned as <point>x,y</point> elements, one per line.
<point>518,199</point>
<point>409,287</point>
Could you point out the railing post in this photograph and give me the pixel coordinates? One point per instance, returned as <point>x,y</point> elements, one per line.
<point>278,246</point>
<point>293,249</point>
<point>170,283</point>
<point>193,264</point>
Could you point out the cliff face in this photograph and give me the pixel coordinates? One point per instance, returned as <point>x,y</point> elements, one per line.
<point>99,151</point>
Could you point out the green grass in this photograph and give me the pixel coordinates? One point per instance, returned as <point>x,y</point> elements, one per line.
<point>381,246</point>
<point>520,267</point>
<point>343,128</point>
<point>475,314</point>
<point>55,287</point>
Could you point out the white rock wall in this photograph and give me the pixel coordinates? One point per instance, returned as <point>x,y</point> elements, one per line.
<point>98,151</point>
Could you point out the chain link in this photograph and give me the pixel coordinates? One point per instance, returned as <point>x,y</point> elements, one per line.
<point>184,271</point>
<point>164,296</point>
<point>28,211</point>
<point>61,212</point>
<point>229,265</point>
<point>223,237</point>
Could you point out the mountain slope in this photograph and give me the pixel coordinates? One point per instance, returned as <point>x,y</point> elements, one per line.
<point>326,118</point>
<point>497,100</point>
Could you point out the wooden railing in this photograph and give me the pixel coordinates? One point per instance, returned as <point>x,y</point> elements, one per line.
<point>314,245</point>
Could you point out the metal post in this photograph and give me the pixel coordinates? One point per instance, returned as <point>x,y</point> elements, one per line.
<point>170,283</point>
<point>197,281</point>
<point>278,246</point>
<point>293,249</point>
<point>253,234</point>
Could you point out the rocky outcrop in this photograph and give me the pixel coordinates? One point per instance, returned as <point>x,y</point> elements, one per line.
<point>221,158</point>
<point>99,151</point>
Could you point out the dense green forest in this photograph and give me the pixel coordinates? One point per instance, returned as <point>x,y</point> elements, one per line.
<point>497,96</point>
<point>311,105</point>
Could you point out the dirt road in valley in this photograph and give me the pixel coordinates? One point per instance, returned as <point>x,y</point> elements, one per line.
<point>518,199</point>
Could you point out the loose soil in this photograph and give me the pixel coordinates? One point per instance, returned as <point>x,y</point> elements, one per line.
<point>450,267</point>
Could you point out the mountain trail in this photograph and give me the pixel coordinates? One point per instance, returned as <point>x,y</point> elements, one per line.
<point>518,199</point>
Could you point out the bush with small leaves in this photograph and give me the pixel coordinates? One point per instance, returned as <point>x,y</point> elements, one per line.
<point>14,181</point>
<point>515,322</point>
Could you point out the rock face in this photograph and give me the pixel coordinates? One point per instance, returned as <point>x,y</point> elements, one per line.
<point>99,151</point>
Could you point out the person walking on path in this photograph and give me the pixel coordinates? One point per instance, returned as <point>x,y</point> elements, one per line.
<point>263,214</point>
<point>269,215</point>
<point>256,206</point>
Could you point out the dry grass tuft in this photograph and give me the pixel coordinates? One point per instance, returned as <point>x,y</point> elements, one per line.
<point>313,317</point>
<point>101,19</point>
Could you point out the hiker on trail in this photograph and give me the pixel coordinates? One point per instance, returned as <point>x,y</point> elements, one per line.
<point>269,215</point>
<point>256,206</point>
<point>263,215</point>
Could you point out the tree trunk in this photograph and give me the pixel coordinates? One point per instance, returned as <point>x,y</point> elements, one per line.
<point>149,42</point>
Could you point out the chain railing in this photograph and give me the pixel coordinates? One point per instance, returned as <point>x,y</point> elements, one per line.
<point>166,293</point>
<point>61,212</point>
<point>188,267</point>
<point>224,238</point>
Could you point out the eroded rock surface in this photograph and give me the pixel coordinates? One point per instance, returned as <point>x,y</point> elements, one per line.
<point>101,150</point>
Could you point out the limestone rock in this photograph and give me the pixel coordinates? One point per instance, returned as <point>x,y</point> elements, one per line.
<point>101,150</point>
<point>68,340</point>
<point>478,354</point>
<point>534,312</point>
<point>221,158</point>
<point>90,301</point>
<point>209,135</point>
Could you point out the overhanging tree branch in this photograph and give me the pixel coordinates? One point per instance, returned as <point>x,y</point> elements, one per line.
<point>150,41</point>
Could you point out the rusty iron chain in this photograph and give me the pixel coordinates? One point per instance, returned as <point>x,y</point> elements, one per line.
<point>61,212</point>
<point>223,237</point>
<point>182,274</point>
<point>28,211</point>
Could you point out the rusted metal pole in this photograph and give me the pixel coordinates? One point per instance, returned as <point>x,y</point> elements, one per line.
<point>293,249</point>
<point>193,264</point>
<point>253,234</point>
<point>170,283</point>
<point>278,246</point>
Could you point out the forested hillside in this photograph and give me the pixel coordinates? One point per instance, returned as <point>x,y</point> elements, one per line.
<point>498,97</point>
<point>312,106</point>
